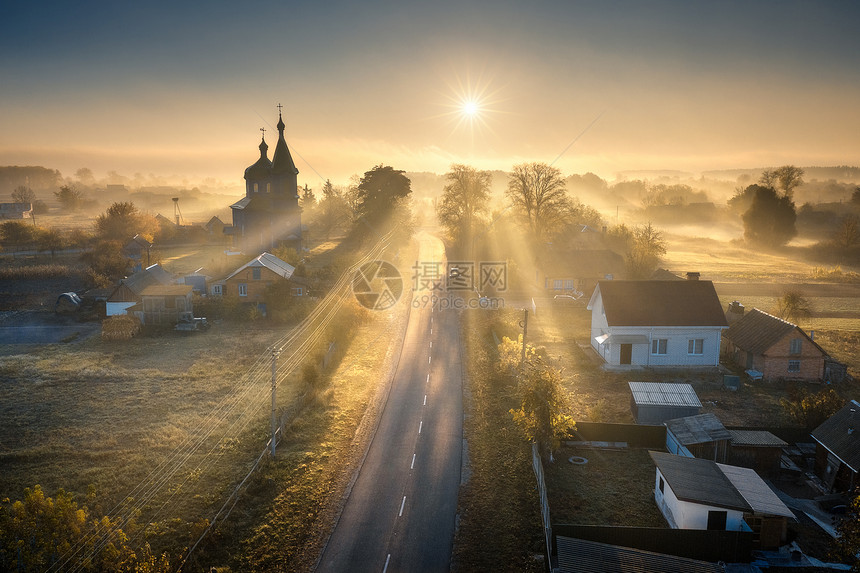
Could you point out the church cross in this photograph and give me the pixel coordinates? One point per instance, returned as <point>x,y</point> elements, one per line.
<point>263,130</point>
<point>279,109</point>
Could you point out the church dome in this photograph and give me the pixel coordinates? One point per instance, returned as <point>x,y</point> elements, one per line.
<point>263,167</point>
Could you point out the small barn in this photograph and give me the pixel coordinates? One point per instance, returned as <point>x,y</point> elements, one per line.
<point>837,452</point>
<point>756,449</point>
<point>702,494</point>
<point>655,402</point>
<point>702,436</point>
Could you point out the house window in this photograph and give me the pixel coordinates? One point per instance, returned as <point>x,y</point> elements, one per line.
<point>696,346</point>
<point>795,346</point>
<point>216,290</point>
<point>255,273</point>
<point>659,346</point>
<point>662,485</point>
<point>568,284</point>
<point>297,291</point>
<point>794,365</point>
<point>243,289</point>
<point>557,284</point>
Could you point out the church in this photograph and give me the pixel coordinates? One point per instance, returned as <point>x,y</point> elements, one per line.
<point>269,215</point>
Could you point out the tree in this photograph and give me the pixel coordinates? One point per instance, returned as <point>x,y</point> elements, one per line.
<point>464,202</point>
<point>847,541</point>
<point>770,220</point>
<point>50,240</point>
<point>847,234</point>
<point>811,410</point>
<point>855,196</point>
<point>38,532</point>
<point>308,200</point>
<point>22,194</point>
<point>647,247</point>
<point>537,194</point>
<point>107,262</point>
<point>17,233</point>
<point>793,306</point>
<point>788,177</point>
<point>543,405</point>
<point>69,197</point>
<point>381,197</point>
<point>332,212</point>
<point>122,221</point>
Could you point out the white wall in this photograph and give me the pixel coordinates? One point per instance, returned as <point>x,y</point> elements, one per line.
<point>687,515</point>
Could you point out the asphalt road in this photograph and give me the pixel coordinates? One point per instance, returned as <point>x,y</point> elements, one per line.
<point>401,512</point>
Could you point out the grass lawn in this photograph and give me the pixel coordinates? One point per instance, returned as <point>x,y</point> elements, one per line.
<point>612,488</point>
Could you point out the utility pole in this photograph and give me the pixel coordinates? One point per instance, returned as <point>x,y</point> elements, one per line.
<point>275,353</point>
<point>525,325</point>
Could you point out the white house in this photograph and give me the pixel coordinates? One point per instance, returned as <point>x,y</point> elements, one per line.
<point>693,493</point>
<point>657,323</point>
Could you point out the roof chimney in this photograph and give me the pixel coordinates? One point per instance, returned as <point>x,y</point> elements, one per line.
<point>692,276</point>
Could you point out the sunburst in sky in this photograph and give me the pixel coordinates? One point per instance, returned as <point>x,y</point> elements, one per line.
<point>117,86</point>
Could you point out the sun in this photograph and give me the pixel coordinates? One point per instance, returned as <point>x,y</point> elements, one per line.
<point>470,108</point>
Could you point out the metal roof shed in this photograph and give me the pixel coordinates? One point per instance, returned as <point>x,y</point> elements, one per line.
<point>655,402</point>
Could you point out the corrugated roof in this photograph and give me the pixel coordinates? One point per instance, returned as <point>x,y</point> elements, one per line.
<point>270,262</point>
<point>581,556</point>
<point>756,438</point>
<point>699,481</point>
<point>755,491</point>
<point>698,429</point>
<point>757,331</point>
<point>840,434</point>
<point>664,394</point>
<point>661,303</point>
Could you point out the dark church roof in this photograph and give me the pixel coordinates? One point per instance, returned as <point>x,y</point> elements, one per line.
<point>282,162</point>
<point>262,168</point>
<point>660,303</point>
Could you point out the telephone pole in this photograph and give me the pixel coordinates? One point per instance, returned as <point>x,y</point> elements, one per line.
<point>275,353</point>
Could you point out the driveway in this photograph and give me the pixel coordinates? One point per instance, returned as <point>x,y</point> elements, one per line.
<point>42,327</point>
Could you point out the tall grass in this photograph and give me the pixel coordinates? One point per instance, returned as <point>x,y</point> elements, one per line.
<point>38,272</point>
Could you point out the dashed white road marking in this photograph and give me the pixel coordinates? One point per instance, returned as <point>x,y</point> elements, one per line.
<point>387,559</point>
<point>425,400</point>
<point>412,465</point>
<point>402,504</point>
<point>420,425</point>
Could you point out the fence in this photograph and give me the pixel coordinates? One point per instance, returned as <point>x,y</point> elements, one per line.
<point>537,464</point>
<point>636,435</point>
<point>726,546</point>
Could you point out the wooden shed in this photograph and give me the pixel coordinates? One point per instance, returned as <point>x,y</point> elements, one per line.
<point>702,436</point>
<point>756,449</point>
<point>656,402</point>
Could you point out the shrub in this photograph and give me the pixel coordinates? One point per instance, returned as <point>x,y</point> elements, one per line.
<point>120,327</point>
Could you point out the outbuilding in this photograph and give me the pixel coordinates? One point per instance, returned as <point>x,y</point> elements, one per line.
<point>655,402</point>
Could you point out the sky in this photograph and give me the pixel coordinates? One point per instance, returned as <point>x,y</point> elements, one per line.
<point>180,90</point>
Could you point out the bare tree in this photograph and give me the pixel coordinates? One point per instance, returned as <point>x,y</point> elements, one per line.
<point>847,234</point>
<point>464,201</point>
<point>23,194</point>
<point>647,247</point>
<point>793,306</point>
<point>786,178</point>
<point>537,194</point>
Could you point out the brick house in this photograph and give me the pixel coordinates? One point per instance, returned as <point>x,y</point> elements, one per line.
<point>251,281</point>
<point>774,347</point>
